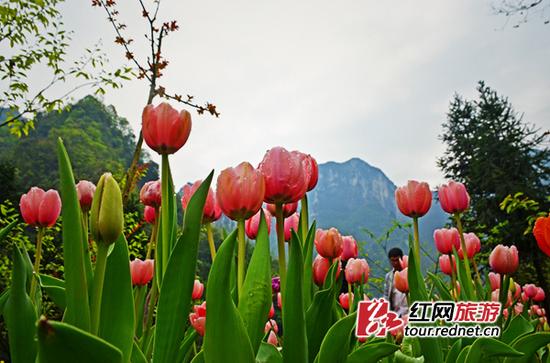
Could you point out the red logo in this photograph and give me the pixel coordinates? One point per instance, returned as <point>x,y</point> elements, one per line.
<point>375,318</point>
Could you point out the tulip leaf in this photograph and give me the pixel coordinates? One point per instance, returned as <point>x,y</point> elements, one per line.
<point>463,354</point>
<point>452,356</point>
<point>4,231</point>
<point>529,345</point>
<point>137,354</point>
<point>441,288</point>
<point>63,343</point>
<point>308,266</point>
<point>20,313</point>
<point>517,327</point>
<point>255,302</point>
<point>268,353</point>
<point>373,353</point>
<point>76,285</point>
<point>225,334</point>
<point>117,305</point>
<point>177,284</point>
<point>294,320</point>
<point>187,343</point>
<point>3,298</point>
<point>466,284</point>
<point>484,348</point>
<point>335,346</point>
<point>199,358</point>
<point>55,289</point>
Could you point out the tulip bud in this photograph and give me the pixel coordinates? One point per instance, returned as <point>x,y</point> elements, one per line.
<point>494,280</point>
<point>349,248</point>
<point>272,338</point>
<point>344,300</point>
<point>329,243</point>
<point>149,214</point>
<point>211,211</point>
<point>504,260</point>
<point>252,224</point>
<point>541,231</point>
<point>106,214</point>
<point>445,239</point>
<point>288,209</point>
<point>279,301</point>
<point>40,208</point>
<point>414,199</point>
<point>271,311</point>
<point>85,191</point>
<point>453,197</point>
<point>271,325</point>
<point>150,194</point>
<point>321,266</point>
<point>164,129</point>
<point>198,318</point>
<point>141,271</point>
<point>473,245</point>
<point>291,223</point>
<point>540,296</point>
<point>401,280</point>
<point>445,264</point>
<point>357,271</point>
<point>198,289</point>
<point>404,261</point>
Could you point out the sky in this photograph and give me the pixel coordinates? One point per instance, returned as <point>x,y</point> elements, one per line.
<point>335,79</point>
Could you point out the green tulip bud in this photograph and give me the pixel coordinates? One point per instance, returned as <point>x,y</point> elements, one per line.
<point>107,218</point>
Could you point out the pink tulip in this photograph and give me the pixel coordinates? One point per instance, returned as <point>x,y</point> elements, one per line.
<point>329,243</point>
<point>445,264</point>
<point>85,191</point>
<point>518,308</point>
<point>285,179</point>
<point>495,296</point>
<point>240,191</point>
<point>415,199</point>
<point>164,129</point>
<point>504,260</point>
<point>40,208</point>
<point>404,261</point>
<point>516,290</point>
<point>150,194</point>
<point>271,312</point>
<point>321,266</point>
<point>311,169</point>
<point>453,197</point>
<point>350,248</point>
<point>530,291</point>
<point>211,211</point>
<point>288,209</point>
<point>535,310</point>
<point>494,280</point>
<point>141,271</point>
<point>344,300</point>
<point>271,325</point>
<point>198,318</point>
<point>524,298</point>
<point>473,245</point>
<point>291,223</point>
<point>198,289</point>
<point>272,338</point>
<point>541,231</point>
<point>251,225</point>
<point>357,271</point>
<point>401,280</point>
<point>445,239</point>
<point>540,296</point>
<point>279,301</point>
<point>149,214</point>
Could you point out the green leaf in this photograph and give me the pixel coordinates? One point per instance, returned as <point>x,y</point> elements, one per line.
<point>225,334</point>
<point>64,343</point>
<point>76,286</point>
<point>3,298</point>
<point>528,345</point>
<point>452,356</point>
<point>255,302</point>
<point>441,288</point>
<point>137,354</point>
<point>187,343</point>
<point>268,354</point>
<point>4,231</point>
<point>466,284</point>
<point>117,306</point>
<point>177,285</point>
<point>518,326</point>
<point>20,313</point>
<point>372,352</point>
<point>462,356</point>
<point>335,346</point>
<point>294,321</point>
<point>484,348</point>
<point>55,289</point>
<point>199,358</point>
<point>308,266</point>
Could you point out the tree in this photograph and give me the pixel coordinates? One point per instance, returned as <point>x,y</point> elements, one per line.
<point>521,10</point>
<point>496,154</point>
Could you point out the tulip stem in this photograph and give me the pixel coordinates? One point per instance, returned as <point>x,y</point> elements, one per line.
<point>464,250</point>
<point>453,278</point>
<point>99,277</point>
<point>153,293</point>
<point>240,256</point>
<point>416,249</point>
<point>211,244</point>
<point>350,298</point>
<point>281,244</point>
<point>476,270</point>
<point>165,214</point>
<point>153,239</point>
<point>37,258</point>
<point>304,218</point>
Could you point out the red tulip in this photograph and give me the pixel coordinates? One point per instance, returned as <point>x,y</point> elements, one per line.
<point>349,248</point>
<point>515,288</point>
<point>344,300</point>
<point>285,179</point>
<point>329,243</point>
<point>165,130</point>
<point>404,261</point>
<point>271,311</point>
<point>445,239</point>
<point>453,197</point>
<point>495,296</point>
<point>240,191</point>
<point>524,297</point>
<point>198,318</point>
<point>321,266</point>
<point>504,260</point>
<point>85,191</point>
<point>271,325</point>
<point>150,194</point>
<point>473,245</point>
<point>198,289</point>
<point>414,199</point>
<point>252,224</point>
<point>540,296</point>
<point>272,338</point>
<point>530,291</point>
<point>291,223</point>
<point>401,280</point>
<point>357,270</point>
<point>149,214</point>
<point>494,280</point>
<point>279,301</point>
<point>141,271</point>
<point>40,208</point>
<point>445,264</point>
<point>288,209</point>
<point>211,211</point>
<point>310,168</point>
<point>541,231</point>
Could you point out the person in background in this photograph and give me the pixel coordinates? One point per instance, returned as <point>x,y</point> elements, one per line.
<point>397,299</point>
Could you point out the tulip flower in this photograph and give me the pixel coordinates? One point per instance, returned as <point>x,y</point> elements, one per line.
<point>473,245</point>
<point>291,223</point>
<point>142,271</point>
<point>357,271</point>
<point>107,214</point>
<point>445,264</point>
<point>40,208</point>
<point>344,299</point>
<point>150,194</point>
<point>85,191</point>
<point>288,209</point>
<point>540,296</point>
<point>271,312</point>
<point>279,300</point>
<point>541,231</point>
<point>349,248</point>
<point>311,169</point>
<point>494,280</point>
<point>329,243</point>
<point>164,129</point>
<point>415,199</point>
<point>275,284</point>
<point>404,261</point>
<point>453,197</point>
<point>271,325</point>
<point>518,308</point>
<point>524,298</point>
<point>272,338</point>
<point>495,297</point>
<point>504,260</point>
<point>445,239</point>
<point>321,266</point>
<point>530,291</point>
<point>198,289</point>
<point>211,211</point>
<point>515,289</point>
<point>149,214</point>
<point>401,280</point>
<point>198,318</point>
<point>535,310</point>
<point>251,225</point>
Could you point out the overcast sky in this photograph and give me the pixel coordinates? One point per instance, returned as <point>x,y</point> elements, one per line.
<point>336,79</point>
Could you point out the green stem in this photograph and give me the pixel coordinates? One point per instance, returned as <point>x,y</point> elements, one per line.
<point>416,249</point>
<point>350,298</point>
<point>150,312</point>
<point>211,244</point>
<point>165,214</point>
<point>453,278</point>
<point>99,276</point>
<point>463,246</point>
<point>37,258</point>
<point>304,218</point>
<point>478,278</point>
<point>281,244</point>
<point>153,239</point>
<point>138,309</point>
<point>241,249</point>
